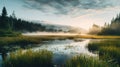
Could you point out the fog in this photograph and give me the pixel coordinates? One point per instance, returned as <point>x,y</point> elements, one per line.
<point>48,33</point>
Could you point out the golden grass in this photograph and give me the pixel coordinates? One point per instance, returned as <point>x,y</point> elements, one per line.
<point>88,61</point>
<point>108,50</point>
<point>29,58</point>
<point>37,39</point>
<point>99,37</point>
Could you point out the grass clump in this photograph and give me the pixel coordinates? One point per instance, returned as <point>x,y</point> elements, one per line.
<point>87,61</point>
<point>108,50</point>
<point>21,41</point>
<point>111,54</point>
<point>9,33</point>
<point>42,58</point>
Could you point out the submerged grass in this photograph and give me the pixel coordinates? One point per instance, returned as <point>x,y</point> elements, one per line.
<point>42,58</point>
<point>87,61</point>
<point>8,43</point>
<point>108,50</point>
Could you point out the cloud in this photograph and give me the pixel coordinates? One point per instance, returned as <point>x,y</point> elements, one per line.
<point>68,7</point>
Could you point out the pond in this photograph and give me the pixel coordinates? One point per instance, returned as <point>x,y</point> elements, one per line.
<point>63,49</point>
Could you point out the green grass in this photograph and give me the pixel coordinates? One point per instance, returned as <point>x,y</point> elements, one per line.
<point>99,36</point>
<point>42,58</point>
<point>107,49</point>
<point>25,40</point>
<point>9,33</point>
<point>11,42</point>
<point>18,40</point>
<point>110,54</point>
<point>88,61</point>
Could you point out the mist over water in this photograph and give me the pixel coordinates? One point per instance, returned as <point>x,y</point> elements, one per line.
<point>63,50</point>
<point>48,33</point>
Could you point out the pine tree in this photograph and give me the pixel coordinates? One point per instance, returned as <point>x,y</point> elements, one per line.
<point>13,15</point>
<point>5,24</point>
<point>4,12</point>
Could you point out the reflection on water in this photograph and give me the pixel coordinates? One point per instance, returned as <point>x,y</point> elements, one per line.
<point>62,49</point>
<point>1,60</point>
<point>2,57</point>
<point>5,50</point>
<point>65,49</point>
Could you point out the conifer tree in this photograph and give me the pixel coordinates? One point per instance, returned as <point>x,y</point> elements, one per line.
<point>4,12</point>
<point>5,24</point>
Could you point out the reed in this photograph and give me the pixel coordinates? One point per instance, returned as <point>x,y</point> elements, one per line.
<point>42,58</point>
<point>87,61</point>
<point>107,49</point>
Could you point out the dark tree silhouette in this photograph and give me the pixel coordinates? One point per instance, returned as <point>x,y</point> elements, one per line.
<point>113,28</point>
<point>10,24</point>
<point>4,22</point>
<point>4,12</point>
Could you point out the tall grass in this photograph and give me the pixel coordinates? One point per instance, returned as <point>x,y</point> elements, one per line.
<point>87,61</point>
<point>9,43</point>
<point>24,40</point>
<point>42,58</point>
<point>19,40</point>
<point>9,33</point>
<point>111,54</point>
<point>108,50</point>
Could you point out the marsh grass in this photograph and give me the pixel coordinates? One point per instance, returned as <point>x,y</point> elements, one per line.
<point>110,54</point>
<point>42,58</point>
<point>18,40</point>
<point>108,50</point>
<point>87,61</point>
<point>12,42</point>
<point>9,33</point>
<point>99,36</point>
<point>25,40</point>
<point>69,47</point>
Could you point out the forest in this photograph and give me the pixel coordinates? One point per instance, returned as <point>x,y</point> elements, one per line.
<point>101,49</point>
<point>12,23</point>
<point>113,28</point>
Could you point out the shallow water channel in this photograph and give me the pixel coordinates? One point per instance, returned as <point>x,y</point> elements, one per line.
<point>63,49</point>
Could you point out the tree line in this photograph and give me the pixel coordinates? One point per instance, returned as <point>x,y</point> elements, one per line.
<point>113,28</point>
<point>12,23</point>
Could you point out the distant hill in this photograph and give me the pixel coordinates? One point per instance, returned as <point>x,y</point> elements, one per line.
<point>11,23</point>
<point>59,28</point>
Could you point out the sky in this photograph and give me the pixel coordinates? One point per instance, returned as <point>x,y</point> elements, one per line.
<point>77,13</point>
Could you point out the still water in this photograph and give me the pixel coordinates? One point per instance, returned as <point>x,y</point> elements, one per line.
<point>63,49</point>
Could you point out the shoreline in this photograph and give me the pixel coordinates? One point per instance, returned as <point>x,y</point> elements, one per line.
<point>75,36</point>
<point>25,40</point>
